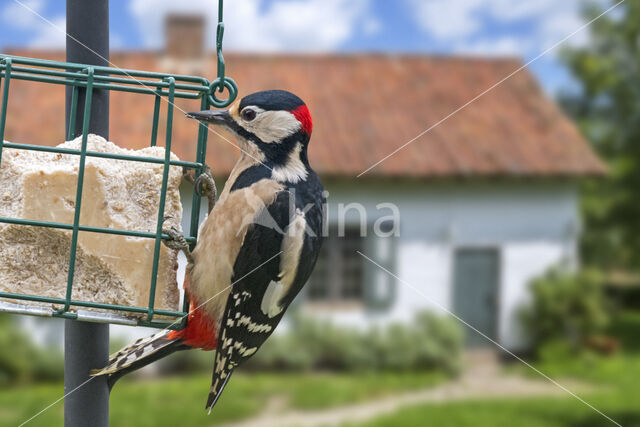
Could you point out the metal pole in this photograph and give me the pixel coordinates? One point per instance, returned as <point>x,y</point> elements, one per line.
<point>86,345</point>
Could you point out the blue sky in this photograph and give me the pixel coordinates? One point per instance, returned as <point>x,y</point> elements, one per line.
<point>459,27</point>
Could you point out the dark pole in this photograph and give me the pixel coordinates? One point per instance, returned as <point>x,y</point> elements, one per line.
<point>86,345</point>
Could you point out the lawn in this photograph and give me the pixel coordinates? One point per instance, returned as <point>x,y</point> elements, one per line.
<point>521,413</point>
<point>180,400</point>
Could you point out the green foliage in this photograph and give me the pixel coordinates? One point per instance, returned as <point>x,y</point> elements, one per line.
<point>431,342</point>
<point>607,109</point>
<point>625,327</point>
<point>21,360</point>
<point>186,362</point>
<point>565,306</point>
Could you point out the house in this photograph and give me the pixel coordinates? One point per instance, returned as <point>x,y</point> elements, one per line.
<point>463,217</point>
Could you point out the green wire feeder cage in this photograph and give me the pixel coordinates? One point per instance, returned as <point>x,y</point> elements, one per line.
<point>89,78</point>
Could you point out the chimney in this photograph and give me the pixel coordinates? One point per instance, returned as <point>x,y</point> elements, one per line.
<point>185,35</point>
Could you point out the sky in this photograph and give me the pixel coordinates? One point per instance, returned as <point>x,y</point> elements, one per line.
<point>494,28</point>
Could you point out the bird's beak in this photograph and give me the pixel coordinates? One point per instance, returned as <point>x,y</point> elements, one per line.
<point>218,117</point>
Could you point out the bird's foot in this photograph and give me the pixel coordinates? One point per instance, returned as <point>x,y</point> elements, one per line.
<point>177,242</point>
<point>205,186</point>
<point>187,175</point>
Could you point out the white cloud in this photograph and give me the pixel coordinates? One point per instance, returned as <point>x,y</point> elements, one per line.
<point>556,27</point>
<point>468,26</point>
<point>19,15</point>
<point>446,19</point>
<point>492,47</point>
<point>25,17</point>
<point>49,37</point>
<point>250,25</point>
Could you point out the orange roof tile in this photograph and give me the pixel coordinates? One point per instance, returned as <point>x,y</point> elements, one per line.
<point>364,107</point>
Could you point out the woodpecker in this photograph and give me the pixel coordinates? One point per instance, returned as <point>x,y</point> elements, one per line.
<point>257,247</point>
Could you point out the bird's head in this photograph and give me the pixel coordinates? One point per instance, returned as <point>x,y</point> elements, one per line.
<point>273,124</point>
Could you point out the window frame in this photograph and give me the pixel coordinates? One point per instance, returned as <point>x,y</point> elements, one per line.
<point>336,277</point>
<point>371,274</point>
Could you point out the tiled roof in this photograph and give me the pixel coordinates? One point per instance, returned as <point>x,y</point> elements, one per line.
<point>364,107</point>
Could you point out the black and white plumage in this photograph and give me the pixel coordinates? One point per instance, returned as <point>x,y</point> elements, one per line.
<point>257,247</point>
<point>276,262</point>
<point>139,354</point>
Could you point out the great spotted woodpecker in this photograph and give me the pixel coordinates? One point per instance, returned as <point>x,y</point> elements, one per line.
<point>257,247</point>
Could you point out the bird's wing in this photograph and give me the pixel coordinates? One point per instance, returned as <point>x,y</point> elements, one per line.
<point>255,267</point>
<point>273,264</point>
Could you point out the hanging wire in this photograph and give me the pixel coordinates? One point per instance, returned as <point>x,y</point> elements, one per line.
<point>222,82</point>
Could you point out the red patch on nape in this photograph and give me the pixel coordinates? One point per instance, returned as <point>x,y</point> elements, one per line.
<point>304,117</point>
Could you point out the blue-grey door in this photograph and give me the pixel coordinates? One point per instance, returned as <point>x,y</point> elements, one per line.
<point>475,294</point>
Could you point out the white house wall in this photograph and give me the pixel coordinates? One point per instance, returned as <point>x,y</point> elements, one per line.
<point>533,226</point>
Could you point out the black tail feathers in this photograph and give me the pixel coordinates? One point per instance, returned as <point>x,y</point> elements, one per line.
<point>139,354</point>
<point>216,390</point>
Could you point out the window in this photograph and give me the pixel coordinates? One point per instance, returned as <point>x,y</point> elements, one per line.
<point>339,272</point>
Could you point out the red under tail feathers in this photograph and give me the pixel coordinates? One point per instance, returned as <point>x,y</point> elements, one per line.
<point>200,331</point>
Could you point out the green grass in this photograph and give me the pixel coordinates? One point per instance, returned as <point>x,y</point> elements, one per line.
<point>180,400</point>
<point>521,413</point>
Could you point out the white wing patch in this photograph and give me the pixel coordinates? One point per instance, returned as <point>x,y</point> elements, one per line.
<point>291,248</point>
<point>271,298</point>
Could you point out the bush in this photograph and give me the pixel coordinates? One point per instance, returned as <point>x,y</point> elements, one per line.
<point>21,360</point>
<point>431,342</point>
<point>185,362</point>
<point>440,342</point>
<point>566,306</point>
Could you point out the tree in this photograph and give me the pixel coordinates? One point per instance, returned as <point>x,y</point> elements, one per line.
<point>607,109</point>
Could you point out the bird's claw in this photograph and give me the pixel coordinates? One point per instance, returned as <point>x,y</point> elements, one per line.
<point>186,175</point>
<point>177,242</point>
<point>205,186</point>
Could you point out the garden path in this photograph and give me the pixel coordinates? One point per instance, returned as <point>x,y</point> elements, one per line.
<point>483,380</point>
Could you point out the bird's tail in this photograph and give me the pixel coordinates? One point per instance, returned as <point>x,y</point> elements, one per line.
<point>139,354</point>
<point>221,373</point>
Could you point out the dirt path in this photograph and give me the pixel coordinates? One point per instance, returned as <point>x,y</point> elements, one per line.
<point>485,383</point>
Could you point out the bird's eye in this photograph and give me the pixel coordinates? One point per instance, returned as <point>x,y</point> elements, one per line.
<point>248,114</point>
